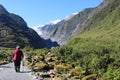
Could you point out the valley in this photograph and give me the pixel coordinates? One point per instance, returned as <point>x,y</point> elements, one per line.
<point>83,47</point>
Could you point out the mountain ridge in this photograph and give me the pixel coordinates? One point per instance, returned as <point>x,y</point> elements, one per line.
<point>62,32</point>
<point>14,31</point>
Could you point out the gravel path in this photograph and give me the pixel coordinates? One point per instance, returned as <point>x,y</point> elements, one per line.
<point>7,72</point>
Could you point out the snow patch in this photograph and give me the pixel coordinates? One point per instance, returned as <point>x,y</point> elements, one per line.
<point>36,28</point>
<point>69,17</point>
<point>55,21</point>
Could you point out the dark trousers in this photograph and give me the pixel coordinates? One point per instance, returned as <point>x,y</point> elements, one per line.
<point>17,65</point>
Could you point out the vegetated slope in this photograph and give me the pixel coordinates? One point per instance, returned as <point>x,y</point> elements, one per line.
<point>14,31</point>
<point>97,48</point>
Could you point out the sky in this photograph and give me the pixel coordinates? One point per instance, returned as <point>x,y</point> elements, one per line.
<point>40,12</point>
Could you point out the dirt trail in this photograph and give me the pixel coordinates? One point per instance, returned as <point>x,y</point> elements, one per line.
<point>7,72</point>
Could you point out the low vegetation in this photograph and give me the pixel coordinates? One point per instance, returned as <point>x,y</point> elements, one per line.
<point>88,60</point>
<point>5,56</point>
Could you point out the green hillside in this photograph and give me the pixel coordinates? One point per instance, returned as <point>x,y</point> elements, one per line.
<point>98,47</point>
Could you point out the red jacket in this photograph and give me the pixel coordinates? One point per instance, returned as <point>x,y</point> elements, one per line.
<point>17,55</point>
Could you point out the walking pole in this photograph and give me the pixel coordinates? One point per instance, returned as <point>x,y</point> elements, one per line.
<point>23,65</point>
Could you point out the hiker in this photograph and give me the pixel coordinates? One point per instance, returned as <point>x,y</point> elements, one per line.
<point>17,58</point>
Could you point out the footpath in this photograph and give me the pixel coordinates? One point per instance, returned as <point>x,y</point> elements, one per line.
<point>7,72</point>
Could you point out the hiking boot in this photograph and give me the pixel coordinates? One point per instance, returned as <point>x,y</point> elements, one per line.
<point>18,70</point>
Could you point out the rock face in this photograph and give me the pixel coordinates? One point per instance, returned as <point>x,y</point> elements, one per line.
<point>14,31</point>
<point>67,28</point>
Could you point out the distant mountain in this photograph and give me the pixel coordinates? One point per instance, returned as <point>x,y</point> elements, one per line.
<point>48,31</point>
<point>14,31</point>
<point>70,26</point>
<point>45,31</point>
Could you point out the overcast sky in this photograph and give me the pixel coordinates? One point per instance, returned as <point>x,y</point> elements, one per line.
<point>39,12</point>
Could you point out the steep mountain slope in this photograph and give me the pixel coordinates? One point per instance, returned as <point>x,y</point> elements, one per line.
<point>14,31</point>
<point>104,22</point>
<point>65,29</point>
<point>98,46</point>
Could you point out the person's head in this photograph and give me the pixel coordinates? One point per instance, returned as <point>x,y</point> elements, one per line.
<point>18,47</point>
